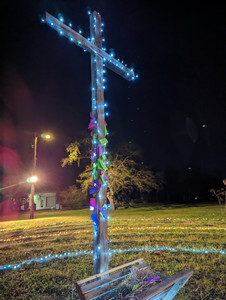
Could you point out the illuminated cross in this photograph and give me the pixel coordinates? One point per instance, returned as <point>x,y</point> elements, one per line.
<point>99,59</point>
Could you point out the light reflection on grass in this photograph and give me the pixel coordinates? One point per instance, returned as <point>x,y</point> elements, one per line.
<point>59,231</point>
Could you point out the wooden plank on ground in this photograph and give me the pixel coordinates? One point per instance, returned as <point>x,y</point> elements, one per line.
<point>175,288</point>
<point>110,271</point>
<point>164,285</point>
<point>103,282</point>
<point>93,289</point>
<point>96,287</point>
<point>107,287</point>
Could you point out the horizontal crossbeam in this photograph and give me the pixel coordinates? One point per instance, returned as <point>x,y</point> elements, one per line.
<point>109,61</point>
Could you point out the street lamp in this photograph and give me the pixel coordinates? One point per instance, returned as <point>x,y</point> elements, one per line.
<point>34,178</point>
<point>46,136</point>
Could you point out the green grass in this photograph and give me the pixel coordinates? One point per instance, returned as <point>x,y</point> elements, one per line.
<point>57,232</point>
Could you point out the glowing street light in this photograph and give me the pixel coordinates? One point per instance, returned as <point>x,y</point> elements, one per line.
<point>46,136</point>
<point>33,179</point>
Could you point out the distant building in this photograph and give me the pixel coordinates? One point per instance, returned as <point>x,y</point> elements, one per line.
<point>46,200</point>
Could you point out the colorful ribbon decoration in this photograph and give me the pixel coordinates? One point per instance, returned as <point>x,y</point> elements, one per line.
<point>103,142</point>
<point>101,165</point>
<point>98,164</point>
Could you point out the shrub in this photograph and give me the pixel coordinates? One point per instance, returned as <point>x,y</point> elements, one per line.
<point>73,197</point>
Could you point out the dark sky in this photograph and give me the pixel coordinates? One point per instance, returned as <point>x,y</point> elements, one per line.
<point>178,50</point>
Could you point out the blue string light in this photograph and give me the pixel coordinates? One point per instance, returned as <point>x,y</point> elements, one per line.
<point>110,252</point>
<point>61,19</point>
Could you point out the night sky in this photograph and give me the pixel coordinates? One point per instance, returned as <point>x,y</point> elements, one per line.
<point>175,110</point>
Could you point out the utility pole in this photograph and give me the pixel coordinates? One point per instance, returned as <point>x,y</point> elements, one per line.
<point>32,205</point>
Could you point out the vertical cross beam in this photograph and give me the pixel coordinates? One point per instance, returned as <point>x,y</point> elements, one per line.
<point>98,56</point>
<point>100,240</point>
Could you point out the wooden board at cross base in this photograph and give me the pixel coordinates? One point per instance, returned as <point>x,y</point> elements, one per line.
<point>162,288</point>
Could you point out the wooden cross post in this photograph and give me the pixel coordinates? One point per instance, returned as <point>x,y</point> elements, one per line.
<point>99,59</point>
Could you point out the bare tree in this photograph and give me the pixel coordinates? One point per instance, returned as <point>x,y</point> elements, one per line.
<point>125,172</point>
<point>220,195</point>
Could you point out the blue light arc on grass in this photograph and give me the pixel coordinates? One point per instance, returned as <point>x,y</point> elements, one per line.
<point>110,252</point>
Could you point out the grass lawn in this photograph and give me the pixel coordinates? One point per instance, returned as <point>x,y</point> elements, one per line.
<point>57,232</point>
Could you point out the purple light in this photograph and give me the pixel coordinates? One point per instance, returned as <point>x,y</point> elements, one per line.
<point>152,278</point>
<point>92,204</point>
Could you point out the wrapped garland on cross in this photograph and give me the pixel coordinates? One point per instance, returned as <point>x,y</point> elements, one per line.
<point>98,127</point>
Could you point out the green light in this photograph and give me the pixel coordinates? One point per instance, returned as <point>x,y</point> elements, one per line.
<point>203,125</point>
